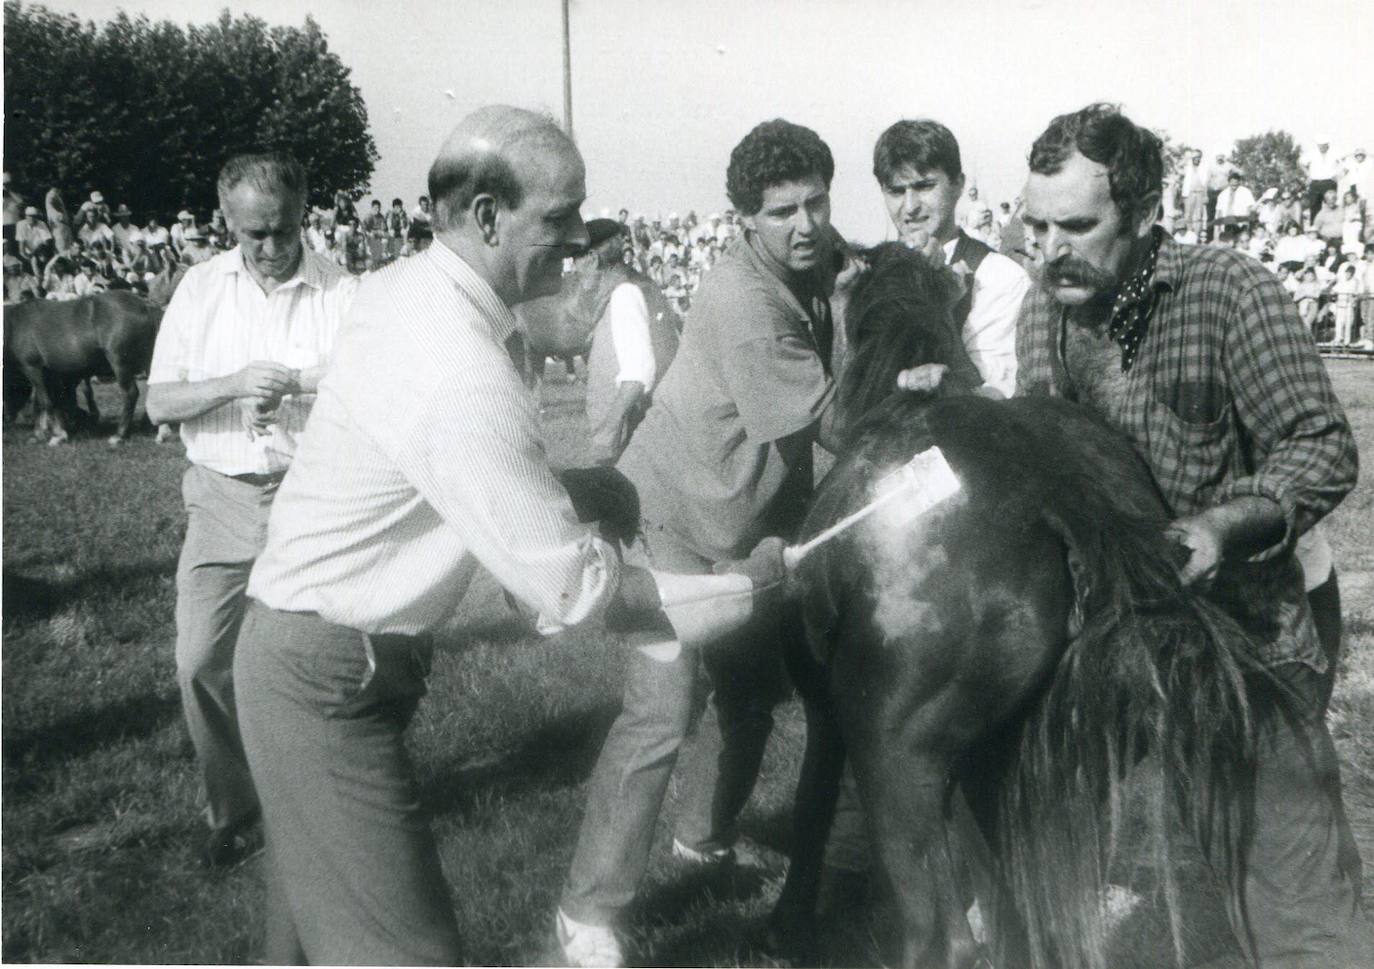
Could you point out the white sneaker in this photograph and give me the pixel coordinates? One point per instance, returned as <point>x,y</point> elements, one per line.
<point>721,856</point>
<point>592,946</point>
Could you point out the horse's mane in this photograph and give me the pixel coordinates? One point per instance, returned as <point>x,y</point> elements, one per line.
<point>900,315</point>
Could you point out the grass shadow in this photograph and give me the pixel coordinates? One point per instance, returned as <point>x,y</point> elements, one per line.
<point>558,754</point>
<point>31,599</point>
<point>80,734</point>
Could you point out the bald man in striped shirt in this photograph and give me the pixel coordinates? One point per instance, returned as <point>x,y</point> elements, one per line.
<point>241,348</point>
<point>423,461</point>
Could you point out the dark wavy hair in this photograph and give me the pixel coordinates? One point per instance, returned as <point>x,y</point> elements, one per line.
<point>924,144</point>
<point>1133,156</point>
<point>774,152</point>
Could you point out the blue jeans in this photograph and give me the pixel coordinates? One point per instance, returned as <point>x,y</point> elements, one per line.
<point>323,710</point>
<point>626,790</point>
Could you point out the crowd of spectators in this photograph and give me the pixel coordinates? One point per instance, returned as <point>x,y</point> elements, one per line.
<point>1316,234</point>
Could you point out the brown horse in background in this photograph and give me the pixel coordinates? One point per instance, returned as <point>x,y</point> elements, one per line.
<point>51,346</point>
<point>1019,646</point>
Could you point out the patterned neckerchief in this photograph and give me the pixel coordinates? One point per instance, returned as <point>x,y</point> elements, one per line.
<point>1134,301</point>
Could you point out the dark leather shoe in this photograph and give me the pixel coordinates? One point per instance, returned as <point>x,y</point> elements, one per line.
<point>231,845</point>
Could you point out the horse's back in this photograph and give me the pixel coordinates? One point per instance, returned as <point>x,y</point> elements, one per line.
<point>79,337</point>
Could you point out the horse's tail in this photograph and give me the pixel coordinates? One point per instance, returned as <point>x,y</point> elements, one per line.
<point>1157,670</point>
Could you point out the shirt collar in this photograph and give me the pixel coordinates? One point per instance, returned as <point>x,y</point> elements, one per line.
<point>497,314</point>
<point>307,272</point>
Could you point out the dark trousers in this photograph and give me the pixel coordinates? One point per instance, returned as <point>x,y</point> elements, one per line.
<point>1315,190</point>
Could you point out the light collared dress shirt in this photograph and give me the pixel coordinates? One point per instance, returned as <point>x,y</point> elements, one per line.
<point>999,287</point>
<point>422,461</point>
<point>1235,202</point>
<point>218,321</point>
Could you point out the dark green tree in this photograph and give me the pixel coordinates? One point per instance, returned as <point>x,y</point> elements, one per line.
<point>1269,160</point>
<point>148,112</point>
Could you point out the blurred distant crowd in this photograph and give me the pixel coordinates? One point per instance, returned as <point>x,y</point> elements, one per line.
<point>1316,234</point>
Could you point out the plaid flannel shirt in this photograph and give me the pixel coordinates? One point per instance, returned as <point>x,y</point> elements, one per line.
<point>1227,397</point>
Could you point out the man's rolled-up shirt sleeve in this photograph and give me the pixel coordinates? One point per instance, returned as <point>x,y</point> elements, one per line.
<point>778,384</point>
<point>1306,459</point>
<point>474,455</point>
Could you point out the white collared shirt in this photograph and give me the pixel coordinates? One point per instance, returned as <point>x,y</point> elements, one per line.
<point>1235,201</point>
<point>424,459</point>
<point>999,287</point>
<point>219,320</point>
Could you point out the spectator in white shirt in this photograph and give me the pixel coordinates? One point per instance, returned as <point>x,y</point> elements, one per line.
<point>1194,192</point>
<point>423,462</point>
<point>1235,203</point>
<point>918,167</point>
<point>1323,170</point>
<point>240,353</point>
<point>634,338</point>
<point>315,236</point>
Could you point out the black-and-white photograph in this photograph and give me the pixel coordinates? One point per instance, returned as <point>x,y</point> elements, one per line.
<point>605,483</point>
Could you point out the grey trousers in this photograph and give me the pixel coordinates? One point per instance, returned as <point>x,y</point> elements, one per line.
<point>628,784</point>
<point>226,527</point>
<point>353,868</point>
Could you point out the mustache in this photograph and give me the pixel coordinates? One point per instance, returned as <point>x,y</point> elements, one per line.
<point>1076,272</point>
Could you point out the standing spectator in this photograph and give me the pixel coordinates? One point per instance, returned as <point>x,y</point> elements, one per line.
<point>1345,292</point>
<point>1366,274</point>
<point>1358,173</point>
<point>13,209</point>
<point>59,223</point>
<point>1194,191</point>
<point>315,236</point>
<point>238,359</point>
<point>1352,224</point>
<point>1218,177</point>
<point>397,228</point>
<point>124,231</point>
<point>1323,170</point>
<point>357,247</point>
<point>218,234</point>
<point>422,224</point>
<point>344,210</point>
<point>374,226</point>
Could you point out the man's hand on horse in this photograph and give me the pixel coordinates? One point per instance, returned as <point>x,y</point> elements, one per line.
<point>923,379</point>
<point>1205,543</point>
<point>267,380</point>
<point>764,567</point>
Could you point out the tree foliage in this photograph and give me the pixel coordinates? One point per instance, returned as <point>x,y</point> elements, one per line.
<point>1269,160</point>
<point>148,112</point>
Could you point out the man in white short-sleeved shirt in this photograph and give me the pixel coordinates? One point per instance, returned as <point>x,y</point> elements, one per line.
<point>241,348</point>
<point>918,167</point>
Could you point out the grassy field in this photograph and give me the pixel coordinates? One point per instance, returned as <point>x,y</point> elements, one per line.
<point>99,813</point>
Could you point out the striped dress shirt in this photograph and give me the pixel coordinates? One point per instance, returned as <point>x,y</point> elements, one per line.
<point>424,459</point>
<point>218,321</point>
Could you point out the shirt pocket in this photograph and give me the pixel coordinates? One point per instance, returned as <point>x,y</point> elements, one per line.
<point>1191,457</point>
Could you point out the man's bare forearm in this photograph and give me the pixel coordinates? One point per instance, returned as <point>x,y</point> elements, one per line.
<point>182,400</point>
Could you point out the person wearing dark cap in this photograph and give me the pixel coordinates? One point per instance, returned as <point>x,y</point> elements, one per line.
<point>634,337</point>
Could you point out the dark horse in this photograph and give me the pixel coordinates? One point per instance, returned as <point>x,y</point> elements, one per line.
<point>1017,647</point>
<point>52,346</point>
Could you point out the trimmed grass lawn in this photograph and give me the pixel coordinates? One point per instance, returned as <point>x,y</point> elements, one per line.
<point>99,809</point>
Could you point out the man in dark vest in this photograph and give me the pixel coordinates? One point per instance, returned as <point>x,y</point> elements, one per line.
<point>634,338</point>
<point>919,170</point>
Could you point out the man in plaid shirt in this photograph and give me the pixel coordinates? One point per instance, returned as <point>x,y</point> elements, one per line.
<point>1197,355</point>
